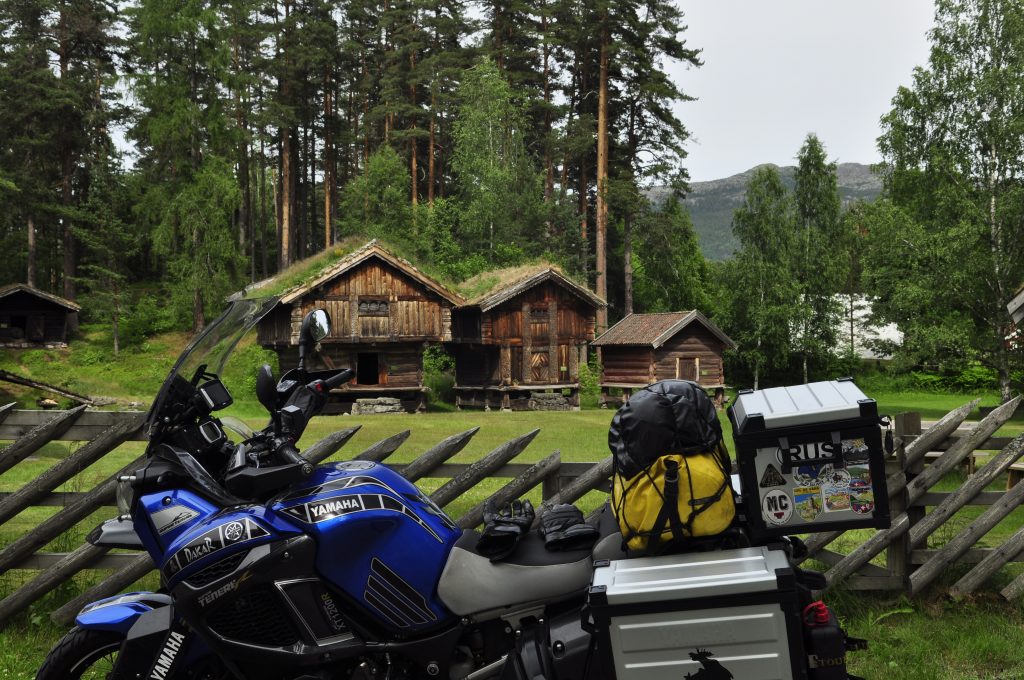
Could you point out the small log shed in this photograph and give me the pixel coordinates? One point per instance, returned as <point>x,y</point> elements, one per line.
<point>384,313</point>
<point>30,317</point>
<point>644,348</point>
<point>1016,307</point>
<point>518,345</point>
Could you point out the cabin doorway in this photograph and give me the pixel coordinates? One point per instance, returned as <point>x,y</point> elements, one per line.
<point>688,368</point>
<point>368,368</point>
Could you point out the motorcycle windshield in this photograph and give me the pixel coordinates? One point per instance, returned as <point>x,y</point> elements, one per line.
<point>210,349</point>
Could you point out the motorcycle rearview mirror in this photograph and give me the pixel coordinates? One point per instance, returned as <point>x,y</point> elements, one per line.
<point>266,388</point>
<point>315,327</point>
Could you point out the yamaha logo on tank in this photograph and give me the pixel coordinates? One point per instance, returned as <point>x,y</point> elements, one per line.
<point>316,511</point>
<point>213,540</point>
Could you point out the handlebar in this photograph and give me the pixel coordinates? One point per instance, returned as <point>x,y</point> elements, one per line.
<point>290,455</point>
<point>337,380</point>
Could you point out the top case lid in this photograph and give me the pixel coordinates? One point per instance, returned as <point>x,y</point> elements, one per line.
<point>679,577</point>
<point>800,405</point>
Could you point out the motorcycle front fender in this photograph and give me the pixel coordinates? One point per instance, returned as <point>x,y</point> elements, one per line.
<point>119,613</point>
<point>116,533</point>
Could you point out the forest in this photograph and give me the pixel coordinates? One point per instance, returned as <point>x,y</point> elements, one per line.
<point>190,147</point>
<point>156,156</point>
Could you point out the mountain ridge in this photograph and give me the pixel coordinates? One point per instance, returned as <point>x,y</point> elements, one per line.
<point>711,203</point>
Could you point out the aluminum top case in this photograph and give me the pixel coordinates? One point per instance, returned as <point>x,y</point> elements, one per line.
<point>810,459</point>
<point>720,614</point>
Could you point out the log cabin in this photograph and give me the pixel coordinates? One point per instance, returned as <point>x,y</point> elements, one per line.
<point>644,348</point>
<point>519,341</point>
<point>1016,307</point>
<point>30,317</point>
<point>384,313</point>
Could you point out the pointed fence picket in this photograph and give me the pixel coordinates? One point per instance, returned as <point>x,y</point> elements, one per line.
<point>923,457</point>
<point>105,431</point>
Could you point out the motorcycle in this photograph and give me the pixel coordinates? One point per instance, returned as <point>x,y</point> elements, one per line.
<point>272,569</point>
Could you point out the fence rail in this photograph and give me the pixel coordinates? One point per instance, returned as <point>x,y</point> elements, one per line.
<point>104,431</point>
<point>923,457</point>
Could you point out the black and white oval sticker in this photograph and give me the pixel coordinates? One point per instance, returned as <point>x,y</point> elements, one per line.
<point>777,507</point>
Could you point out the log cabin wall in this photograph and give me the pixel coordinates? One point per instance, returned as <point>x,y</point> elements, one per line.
<point>627,365</point>
<point>27,318</point>
<point>537,338</point>
<point>399,365</point>
<point>692,354</point>
<point>382,318</point>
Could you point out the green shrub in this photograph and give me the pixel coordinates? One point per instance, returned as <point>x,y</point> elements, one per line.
<point>975,378</point>
<point>439,374</point>
<point>146,319</point>
<point>590,379</point>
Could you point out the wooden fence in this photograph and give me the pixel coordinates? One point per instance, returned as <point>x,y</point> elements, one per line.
<point>923,457</point>
<point>104,431</point>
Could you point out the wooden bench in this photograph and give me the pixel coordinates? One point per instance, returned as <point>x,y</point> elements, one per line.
<point>1015,473</point>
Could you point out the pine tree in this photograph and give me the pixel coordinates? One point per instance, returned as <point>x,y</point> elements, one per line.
<point>185,135</point>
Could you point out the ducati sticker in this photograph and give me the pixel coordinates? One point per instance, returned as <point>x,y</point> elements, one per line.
<point>213,540</point>
<point>772,477</point>
<point>777,507</point>
<point>172,517</point>
<point>322,510</point>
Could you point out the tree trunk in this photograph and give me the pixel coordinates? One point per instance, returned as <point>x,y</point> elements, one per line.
<point>30,275</point>
<point>288,212</point>
<point>412,127</point>
<point>627,257</point>
<point>584,236</point>
<point>549,167</point>
<point>66,168</point>
<point>197,309</point>
<point>430,151</point>
<point>328,159</point>
<point>601,233</point>
<point>995,229</point>
<point>114,324</point>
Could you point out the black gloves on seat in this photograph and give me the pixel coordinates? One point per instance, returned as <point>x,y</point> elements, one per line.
<point>502,529</point>
<point>564,528</point>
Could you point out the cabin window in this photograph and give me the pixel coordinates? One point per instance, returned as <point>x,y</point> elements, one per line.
<point>368,368</point>
<point>373,308</point>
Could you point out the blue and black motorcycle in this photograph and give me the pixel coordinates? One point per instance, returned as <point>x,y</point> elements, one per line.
<point>274,569</point>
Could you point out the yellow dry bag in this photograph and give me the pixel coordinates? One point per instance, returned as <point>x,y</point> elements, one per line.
<point>675,498</point>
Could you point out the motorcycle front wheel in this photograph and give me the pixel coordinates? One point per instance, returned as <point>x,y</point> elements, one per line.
<point>82,655</point>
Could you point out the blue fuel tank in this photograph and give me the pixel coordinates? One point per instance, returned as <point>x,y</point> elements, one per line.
<point>380,540</point>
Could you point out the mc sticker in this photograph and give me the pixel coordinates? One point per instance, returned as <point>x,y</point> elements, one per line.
<point>777,507</point>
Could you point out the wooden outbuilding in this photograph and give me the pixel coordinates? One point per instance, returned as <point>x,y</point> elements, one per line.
<point>30,317</point>
<point>518,343</point>
<point>644,348</point>
<point>1016,307</point>
<point>384,313</point>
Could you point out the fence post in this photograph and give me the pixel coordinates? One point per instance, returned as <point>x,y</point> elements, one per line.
<point>898,553</point>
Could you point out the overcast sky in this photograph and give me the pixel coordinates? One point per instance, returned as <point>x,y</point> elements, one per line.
<point>774,71</point>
